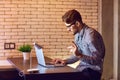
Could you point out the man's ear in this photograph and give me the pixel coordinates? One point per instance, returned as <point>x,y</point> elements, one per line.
<point>77,23</point>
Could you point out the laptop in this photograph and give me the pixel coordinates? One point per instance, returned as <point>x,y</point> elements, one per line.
<point>41,58</point>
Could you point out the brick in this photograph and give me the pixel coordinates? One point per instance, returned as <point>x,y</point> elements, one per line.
<point>11,33</point>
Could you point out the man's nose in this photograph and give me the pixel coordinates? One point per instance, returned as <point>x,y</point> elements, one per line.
<point>68,29</point>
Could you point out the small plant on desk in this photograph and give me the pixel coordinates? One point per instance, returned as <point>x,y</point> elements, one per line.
<point>25,49</point>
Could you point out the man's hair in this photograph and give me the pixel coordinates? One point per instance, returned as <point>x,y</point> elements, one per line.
<point>72,16</point>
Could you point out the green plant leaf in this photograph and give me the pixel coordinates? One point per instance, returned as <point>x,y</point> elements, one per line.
<point>25,48</point>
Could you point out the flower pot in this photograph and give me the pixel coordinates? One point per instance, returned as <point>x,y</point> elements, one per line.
<point>26,55</point>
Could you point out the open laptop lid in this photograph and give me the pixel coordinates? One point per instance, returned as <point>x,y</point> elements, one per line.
<point>41,59</point>
<point>39,54</point>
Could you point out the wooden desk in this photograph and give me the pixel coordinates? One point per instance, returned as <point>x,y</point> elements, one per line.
<point>57,73</point>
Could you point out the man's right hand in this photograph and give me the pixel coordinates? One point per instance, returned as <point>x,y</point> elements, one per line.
<point>59,61</point>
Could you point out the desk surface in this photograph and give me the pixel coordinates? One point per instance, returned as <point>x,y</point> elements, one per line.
<point>23,66</point>
<point>57,73</point>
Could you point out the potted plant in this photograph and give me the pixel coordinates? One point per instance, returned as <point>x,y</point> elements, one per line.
<point>25,49</point>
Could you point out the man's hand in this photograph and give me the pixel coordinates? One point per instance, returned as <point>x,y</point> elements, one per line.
<point>74,49</point>
<point>59,61</point>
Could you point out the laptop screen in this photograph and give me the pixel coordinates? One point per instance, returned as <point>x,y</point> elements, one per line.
<point>39,54</point>
<point>41,59</point>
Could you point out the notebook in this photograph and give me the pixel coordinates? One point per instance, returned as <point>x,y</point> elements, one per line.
<point>41,59</point>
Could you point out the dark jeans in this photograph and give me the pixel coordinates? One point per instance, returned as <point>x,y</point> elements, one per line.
<point>89,74</point>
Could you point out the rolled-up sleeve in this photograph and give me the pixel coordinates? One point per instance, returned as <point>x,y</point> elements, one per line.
<point>72,59</point>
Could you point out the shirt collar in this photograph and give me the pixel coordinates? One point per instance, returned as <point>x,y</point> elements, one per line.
<point>80,34</point>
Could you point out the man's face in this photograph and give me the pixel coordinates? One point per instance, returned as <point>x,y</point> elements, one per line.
<point>72,28</point>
